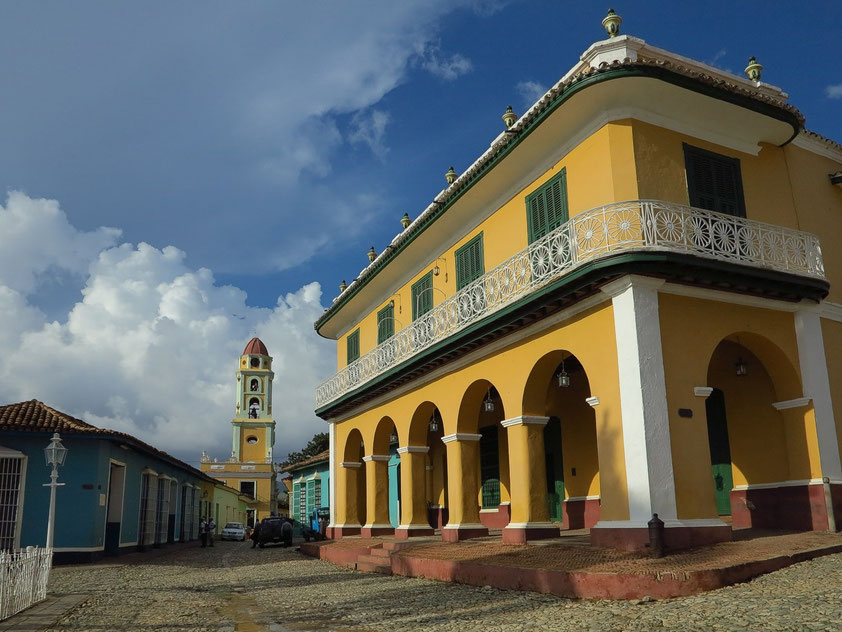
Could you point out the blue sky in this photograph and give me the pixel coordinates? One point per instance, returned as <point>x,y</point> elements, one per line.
<point>243,151</point>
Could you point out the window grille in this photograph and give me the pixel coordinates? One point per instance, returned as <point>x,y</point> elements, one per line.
<point>302,503</point>
<point>317,493</point>
<point>11,469</point>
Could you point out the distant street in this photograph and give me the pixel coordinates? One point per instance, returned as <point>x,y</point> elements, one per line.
<point>233,588</point>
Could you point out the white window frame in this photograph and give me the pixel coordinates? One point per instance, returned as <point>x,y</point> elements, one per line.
<point>8,453</point>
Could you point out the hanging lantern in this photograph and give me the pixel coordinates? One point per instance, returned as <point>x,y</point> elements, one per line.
<point>741,367</point>
<point>563,378</point>
<point>434,423</point>
<point>393,438</point>
<point>488,403</point>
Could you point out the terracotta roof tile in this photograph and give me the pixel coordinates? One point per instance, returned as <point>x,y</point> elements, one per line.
<point>255,346</point>
<point>35,416</point>
<point>321,456</point>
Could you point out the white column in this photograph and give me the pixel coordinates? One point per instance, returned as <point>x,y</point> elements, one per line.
<point>331,481</point>
<point>643,399</point>
<point>816,385</point>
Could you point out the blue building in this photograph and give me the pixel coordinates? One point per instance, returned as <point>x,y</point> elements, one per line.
<point>120,494</point>
<point>310,486</point>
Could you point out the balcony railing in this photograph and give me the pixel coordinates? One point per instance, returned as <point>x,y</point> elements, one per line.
<point>634,226</point>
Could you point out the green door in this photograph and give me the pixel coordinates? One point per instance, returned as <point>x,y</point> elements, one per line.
<point>555,469</point>
<point>720,451</point>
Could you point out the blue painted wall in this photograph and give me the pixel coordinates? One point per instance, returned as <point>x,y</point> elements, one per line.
<point>394,486</point>
<point>80,514</point>
<point>323,470</point>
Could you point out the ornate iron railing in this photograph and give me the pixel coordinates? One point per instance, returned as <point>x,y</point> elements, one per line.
<point>634,226</point>
<point>23,579</point>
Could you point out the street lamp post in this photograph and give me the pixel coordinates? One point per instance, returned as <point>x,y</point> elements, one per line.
<point>55,454</point>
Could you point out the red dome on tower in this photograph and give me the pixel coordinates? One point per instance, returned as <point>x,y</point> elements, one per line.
<point>255,347</point>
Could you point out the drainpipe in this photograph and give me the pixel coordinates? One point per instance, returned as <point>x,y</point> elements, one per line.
<point>828,503</point>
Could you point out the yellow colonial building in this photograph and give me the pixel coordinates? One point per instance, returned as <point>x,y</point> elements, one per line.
<point>630,304</point>
<point>250,468</point>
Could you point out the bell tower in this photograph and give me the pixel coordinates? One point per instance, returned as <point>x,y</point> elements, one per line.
<point>253,425</point>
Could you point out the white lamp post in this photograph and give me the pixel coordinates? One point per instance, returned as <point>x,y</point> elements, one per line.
<point>55,454</point>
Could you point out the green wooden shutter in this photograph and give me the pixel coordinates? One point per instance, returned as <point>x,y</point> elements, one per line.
<point>489,459</point>
<point>546,208</point>
<point>310,497</point>
<point>385,323</point>
<point>353,346</point>
<point>422,295</point>
<point>714,182</point>
<point>470,264</point>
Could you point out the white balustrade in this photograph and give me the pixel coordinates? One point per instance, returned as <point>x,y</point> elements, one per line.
<point>23,579</point>
<point>633,226</point>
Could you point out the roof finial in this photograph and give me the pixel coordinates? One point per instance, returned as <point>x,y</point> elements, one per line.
<point>372,254</point>
<point>342,286</point>
<point>509,117</point>
<point>450,176</point>
<point>754,69</point>
<point>612,22</point>
<point>405,221</point>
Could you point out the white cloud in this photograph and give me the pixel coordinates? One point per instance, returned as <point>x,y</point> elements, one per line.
<point>530,92</point>
<point>370,129</point>
<point>834,91</point>
<point>444,67</point>
<point>152,346</point>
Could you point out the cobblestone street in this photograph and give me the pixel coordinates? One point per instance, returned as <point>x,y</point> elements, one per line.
<point>234,588</point>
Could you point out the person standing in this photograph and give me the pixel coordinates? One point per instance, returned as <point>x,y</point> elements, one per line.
<point>255,534</point>
<point>211,529</point>
<point>203,532</point>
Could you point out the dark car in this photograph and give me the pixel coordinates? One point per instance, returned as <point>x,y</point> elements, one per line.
<point>275,529</point>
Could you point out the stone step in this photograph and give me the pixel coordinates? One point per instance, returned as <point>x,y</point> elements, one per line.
<point>384,553</point>
<point>383,569</point>
<point>374,559</point>
<point>395,545</point>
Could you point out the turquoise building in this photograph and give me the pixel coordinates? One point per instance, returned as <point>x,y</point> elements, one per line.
<point>310,485</point>
<point>119,494</point>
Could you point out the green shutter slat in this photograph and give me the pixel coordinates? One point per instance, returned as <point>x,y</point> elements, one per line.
<point>547,207</point>
<point>422,295</point>
<point>353,346</point>
<point>385,323</point>
<point>714,181</point>
<point>469,262</point>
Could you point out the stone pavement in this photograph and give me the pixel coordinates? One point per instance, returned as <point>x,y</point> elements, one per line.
<point>235,588</point>
<point>42,616</point>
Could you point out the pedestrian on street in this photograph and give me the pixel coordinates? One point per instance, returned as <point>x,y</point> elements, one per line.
<point>203,532</point>
<point>211,529</point>
<point>255,534</point>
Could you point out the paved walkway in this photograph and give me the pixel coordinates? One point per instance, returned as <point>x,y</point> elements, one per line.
<point>232,588</point>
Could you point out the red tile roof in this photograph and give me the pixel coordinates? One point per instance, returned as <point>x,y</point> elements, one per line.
<point>319,458</point>
<point>255,347</point>
<point>34,416</point>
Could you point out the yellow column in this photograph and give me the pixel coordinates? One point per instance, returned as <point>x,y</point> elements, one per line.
<point>463,486</point>
<point>413,492</point>
<point>528,479</point>
<point>347,481</point>
<point>377,496</point>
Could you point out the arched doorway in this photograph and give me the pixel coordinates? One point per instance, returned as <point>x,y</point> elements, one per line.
<point>558,388</point>
<point>350,487</point>
<point>382,501</point>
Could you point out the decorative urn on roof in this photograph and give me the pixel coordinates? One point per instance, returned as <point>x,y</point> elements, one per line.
<point>372,254</point>
<point>405,221</point>
<point>342,286</point>
<point>450,176</point>
<point>509,117</point>
<point>612,22</point>
<point>753,69</point>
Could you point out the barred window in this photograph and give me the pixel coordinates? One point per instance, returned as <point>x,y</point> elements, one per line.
<point>11,469</point>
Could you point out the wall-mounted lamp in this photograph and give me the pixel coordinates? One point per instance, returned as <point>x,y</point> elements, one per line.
<point>434,422</point>
<point>393,438</point>
<point>740,367</point>
<point>436,269</point>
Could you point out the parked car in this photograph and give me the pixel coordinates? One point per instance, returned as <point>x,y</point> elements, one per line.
<point>234,531</point>
<point>319,519</point>
<point>275,529</point>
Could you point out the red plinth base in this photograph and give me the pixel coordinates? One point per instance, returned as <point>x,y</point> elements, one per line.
<point>522,535</point>
<point>335,533</point>
<point>676,537</point>
<point>463,533</point>
<point>402,533</point>
<point>370,532</point>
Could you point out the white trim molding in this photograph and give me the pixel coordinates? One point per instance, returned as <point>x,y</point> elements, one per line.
<point>415,449</point>
<point>465,525</point>
<point>580,498</point>
<point>593,401</point>
<point>377,457</point>
<point>791,403</point>
<point>378,525</point>
<point>643,398</point>
<point>413,527</point>
<point>461,436</point>
<point>816,385</point>
<point>525,420</point>
<point>702,391</point>
<point>800,483</point>
<point>350,464</point>
<point>331,479</point>
<point>532,525</point>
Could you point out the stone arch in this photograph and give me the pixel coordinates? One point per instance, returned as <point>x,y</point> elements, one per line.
<point>570,437</point>
<point>434,485</point>
<point>351,485</point>
<point>756,449</point>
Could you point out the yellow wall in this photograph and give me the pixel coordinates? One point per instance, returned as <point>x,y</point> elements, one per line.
<point>231,507</point>
<point>253,452</point>
<point>691,330</point>
<point>600,170</point>
<point>832,332</point>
